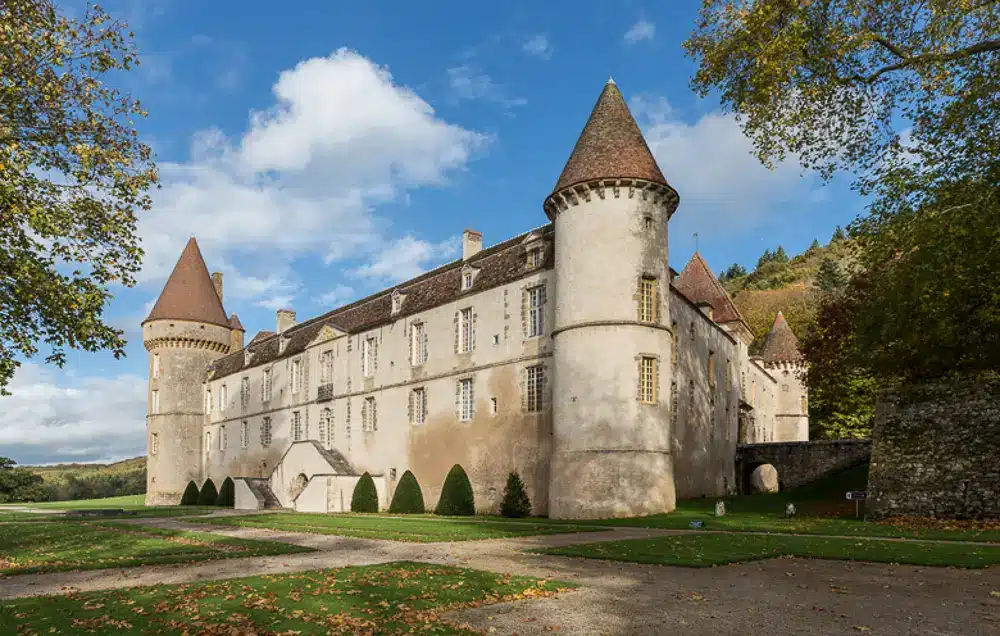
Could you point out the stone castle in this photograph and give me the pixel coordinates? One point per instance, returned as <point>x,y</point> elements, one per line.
<point>572,354</point>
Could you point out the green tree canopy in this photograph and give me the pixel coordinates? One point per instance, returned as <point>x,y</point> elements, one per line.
<point>73,174</point>
<point>830,277</point>
<point>19,484</point>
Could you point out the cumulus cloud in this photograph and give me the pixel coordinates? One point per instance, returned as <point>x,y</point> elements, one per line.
<point>406,258</point>
<point>58,417</point>
<point>470,83</point>
<point>339,295</point>
<point>641,30</point>
<point>538,46</point>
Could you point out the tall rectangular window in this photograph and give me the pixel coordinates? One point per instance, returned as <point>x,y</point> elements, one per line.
<point>265,389</point>
<point>222,438</point>
<point>647,299</point>
<point>156,402</point>
<point>156,365</point>
<point>223,397</point>
<point>326,428</point>
<point>711,370</point>
<point>244,434</point>
<point>369,356</point>
<point>265,432</point>
<point>418,406</point>
<point>466,399</point>
<point>154,443</point>
<point>536,381</point>
<point>536,311</point>
<point>296,426</point>
<point>245,392</point>
<point>326,367</point>
<point>369,418</point>
<point>296,376</point>
<point>208,444</point>
<point>534,257</point>
<point>418,344</point>
<point>467,280</point>
<point>208,400</point>
<point>467,336</point>
<point>647,380</point>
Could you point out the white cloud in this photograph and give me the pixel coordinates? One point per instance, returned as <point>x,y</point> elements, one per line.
<point>55,416</point>
<point>470,83</point>
<point>405,258</point>
<point>538,46</point>
<point>305,177</point>
<point>339,295</point>
<point>641,30</point>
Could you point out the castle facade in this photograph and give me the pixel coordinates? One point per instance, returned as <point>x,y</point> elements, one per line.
<point>571,354</point>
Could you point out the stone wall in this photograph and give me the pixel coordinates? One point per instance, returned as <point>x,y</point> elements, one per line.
<point>936,450</point>
<point>799,463</point>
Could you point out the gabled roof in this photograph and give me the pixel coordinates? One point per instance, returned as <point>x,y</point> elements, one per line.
<point>189,293</point>
<point>611,146</point>
<point>780,345</point>
<point>261,335</point>
<point>697,282</point>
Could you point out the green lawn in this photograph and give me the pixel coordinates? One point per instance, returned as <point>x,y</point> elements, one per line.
<point>705,550</point>
<point>126,501</point>
<point>52,547</point>
<point>133,505</point>
<point>422,529</point>
<point>393,598</point>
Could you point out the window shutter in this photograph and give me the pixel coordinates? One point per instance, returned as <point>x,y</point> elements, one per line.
<point>409,407</point>
<point>458,399</point>
<point>523,378</point>
<point>472,398</point>
<point>423,344</point>
<point>458,329</point>
<point>374,355</point>
<point>364,414</point>
<point>374,415</point>
<point>525,308</point>
<point>472,331</point>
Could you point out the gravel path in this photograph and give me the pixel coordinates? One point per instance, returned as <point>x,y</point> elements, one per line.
<point>779,596</point>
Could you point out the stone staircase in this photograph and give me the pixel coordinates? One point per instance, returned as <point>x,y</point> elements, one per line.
<point>262,491</point>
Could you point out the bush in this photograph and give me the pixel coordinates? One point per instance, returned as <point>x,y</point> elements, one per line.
<point>456,494</point>
<point>191,495</point>
<point>365,497</point>
<point>208,494</point>
<point>408,499</point>
<point>227,494</point>
<point>515,499</point>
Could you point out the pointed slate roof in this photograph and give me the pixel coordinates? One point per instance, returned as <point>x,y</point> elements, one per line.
<point>697,282</point>
<point>611,146</point>
<point>234,323</point>
<point>780,345</point>
<point>189,293</point>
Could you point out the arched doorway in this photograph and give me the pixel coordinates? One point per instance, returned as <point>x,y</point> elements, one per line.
<point>298,486</point>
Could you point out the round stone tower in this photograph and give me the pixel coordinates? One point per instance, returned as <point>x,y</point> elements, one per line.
<point>612,339</point>
<point>186,330</point>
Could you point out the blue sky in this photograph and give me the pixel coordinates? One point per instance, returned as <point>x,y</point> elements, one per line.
<point>323,151</point>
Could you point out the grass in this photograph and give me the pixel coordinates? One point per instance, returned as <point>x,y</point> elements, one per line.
<point>393,598</point>
<point>423,529</point>
<point>54,547</point>
<point>706,550</point>
<point>133,505</point>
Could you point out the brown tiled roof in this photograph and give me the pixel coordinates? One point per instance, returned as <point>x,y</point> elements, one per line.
<point>697,282</point>
<point>497,265</point>
<point>261,335</point>
<point>189,293</point>
<point>611,146</point>
<point>234,323</point>
<point>780,345</point>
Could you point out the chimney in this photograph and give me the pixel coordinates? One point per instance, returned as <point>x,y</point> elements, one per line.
<point>472,243</point>
<point>217,281</point>
<point>286,320</point>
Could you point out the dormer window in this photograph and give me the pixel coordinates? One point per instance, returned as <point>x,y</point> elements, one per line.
<point>397,301</point>
<point>246,357</point>
<point>468,277</point>
<point>534,257</point>
<point>282,343</point>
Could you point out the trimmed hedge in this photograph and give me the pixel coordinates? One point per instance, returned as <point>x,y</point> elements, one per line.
<point>208,494</point>
<point>515,498</point>
<point>456,494</point>
<point>227,494</point>
<point>408,498</point>
<point>191,494</point>
<point>365,497</point>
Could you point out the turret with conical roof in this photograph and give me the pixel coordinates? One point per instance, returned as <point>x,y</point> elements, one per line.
<point>783,360</point>
<point>185,332</point>
<point>611,438</point>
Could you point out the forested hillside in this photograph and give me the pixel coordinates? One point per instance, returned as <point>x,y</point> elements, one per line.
<point>89,481</point>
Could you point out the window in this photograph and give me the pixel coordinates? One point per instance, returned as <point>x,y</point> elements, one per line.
<point>536,381</point>
<point>156,365</point>
<point>466,400</point>
<point>466,331</point>
<point>467,280</point>
<point>494,406</point>
<point>223,397</point>
<point>729,375</point>
<point>296,426</point>
<point>804,404</point>
<point>326,367</point>
<point>296,376</point>
<point>647,380</point>
<point>222,438</point>
<point>536,316</point>
<point>418,344</point>
<point>265,391</point>
<point>676,338</point>
<point>208,444</point>
<point>711,369</point>
<point>326,428</point>
<point>535,257</point>
<point>244,434</point>
<point>265,432</point>
<point>647,299</point>
<point>369,420</point>
<point>418,406</point>
<point>397,302</point>
<point>208,400</point>
<point>155,403</point>
<point>154,443</point>
<point>245,392</point>
<point>369,356</point>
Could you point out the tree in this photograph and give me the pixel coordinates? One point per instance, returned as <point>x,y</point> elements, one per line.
<point>73,174</point>
<point>365,496</point>
<point>408,498</point>
<point>813,246</point>
<point>191,495</point>
<point>227,494</point>
<point>456,494</point>
<point>515,498</point>
<point>829,277</point>
<point>208,494</point>
<point>765,258</point>
<point>19,484</point>
<point>734,271</point>
<point>780,256</point>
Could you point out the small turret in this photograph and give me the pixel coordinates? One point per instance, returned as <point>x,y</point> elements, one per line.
<point>782,358</point>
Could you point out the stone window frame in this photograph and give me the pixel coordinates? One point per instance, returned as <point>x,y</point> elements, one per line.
<point>465,330</point>
<point>369,356</point>
<point>156,365</point>
<point>647,299</point>
<point>369,414</point>
<point>534,246</point>
<point>154,407</point>
<point>245,391</point>
<point>208,400</point>
<point>468,279</point>
<point>536,297</point>
<point>465,402</point>
<point>326,433</point>
<point>417,407</point>
<point>244,434</point>
<point>712,383</point>
<point>266,431</point>
<point>296,375</point>
<point>208,445</point>
<point>154,443</point>
<point>266,384</point>
<point>222,438</point>
<point>397,298</point>
<point>534,387</point>
<point>326,366</point>
<point>223,397</point>
<point>648,380</point>
<point>418,343</point>
<point>297,435</point>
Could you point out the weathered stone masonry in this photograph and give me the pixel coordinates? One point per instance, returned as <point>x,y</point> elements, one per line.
<point>799,463</point>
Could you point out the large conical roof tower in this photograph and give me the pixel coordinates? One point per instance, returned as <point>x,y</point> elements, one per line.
<point>781,345</point>
<point>190,293</point>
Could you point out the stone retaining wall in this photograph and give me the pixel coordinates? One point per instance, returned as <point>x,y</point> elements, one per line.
<point>799,463</point>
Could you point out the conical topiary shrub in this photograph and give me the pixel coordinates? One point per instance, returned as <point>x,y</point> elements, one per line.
<point>190,497</point>
<point>456,494</point>
<point>365,497</point>
<point>515,499</point>
<point>227,494</point>
<point>408,499</point>
<point>208,494</point>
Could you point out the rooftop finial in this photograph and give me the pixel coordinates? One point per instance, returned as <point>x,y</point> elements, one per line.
<point>611,80</point>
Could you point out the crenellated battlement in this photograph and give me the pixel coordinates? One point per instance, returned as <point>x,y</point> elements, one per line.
<point>188,343</point>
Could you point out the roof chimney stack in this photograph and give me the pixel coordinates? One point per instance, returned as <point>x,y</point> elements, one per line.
<point>472,243</point>
<point>286,320</point>
<point>217,281</point>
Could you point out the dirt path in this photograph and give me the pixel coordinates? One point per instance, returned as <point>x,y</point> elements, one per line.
<point>780,596</point>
